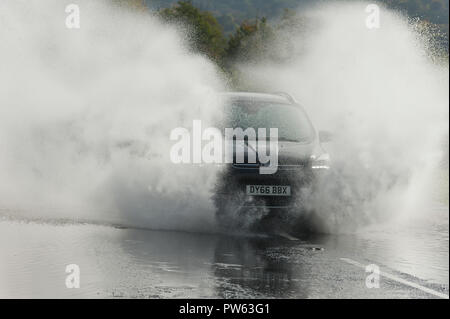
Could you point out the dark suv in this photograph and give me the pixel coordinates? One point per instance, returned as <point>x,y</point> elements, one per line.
<point>244,197</point>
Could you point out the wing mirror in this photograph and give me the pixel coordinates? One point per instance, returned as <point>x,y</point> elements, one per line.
<point>325,137</point>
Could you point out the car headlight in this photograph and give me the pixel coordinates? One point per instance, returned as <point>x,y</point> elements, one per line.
<point>320,162</point>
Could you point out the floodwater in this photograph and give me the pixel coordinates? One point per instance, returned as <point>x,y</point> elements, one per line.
<point>118,262</point>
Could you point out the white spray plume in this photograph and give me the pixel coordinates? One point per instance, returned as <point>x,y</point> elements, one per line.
<point>382,95</point>
<point>85,116</point>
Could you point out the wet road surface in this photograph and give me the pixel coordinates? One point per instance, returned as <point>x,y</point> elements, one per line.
<point>132,263</point>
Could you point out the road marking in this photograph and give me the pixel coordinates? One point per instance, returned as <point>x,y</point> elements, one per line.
<point>400,280</point>
<point>287,236</point>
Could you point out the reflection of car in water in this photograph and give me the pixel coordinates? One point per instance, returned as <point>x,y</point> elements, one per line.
<point>244,197</point>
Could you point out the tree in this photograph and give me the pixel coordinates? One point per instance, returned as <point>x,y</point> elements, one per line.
<point>206,33</point>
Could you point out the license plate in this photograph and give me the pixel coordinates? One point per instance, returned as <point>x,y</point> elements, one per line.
<point>269,190</point>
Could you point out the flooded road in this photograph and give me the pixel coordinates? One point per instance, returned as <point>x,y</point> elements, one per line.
<point>88,129</point>
<point>133,263</point>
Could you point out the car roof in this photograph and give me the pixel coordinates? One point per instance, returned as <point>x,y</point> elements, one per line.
<point>255,96</point>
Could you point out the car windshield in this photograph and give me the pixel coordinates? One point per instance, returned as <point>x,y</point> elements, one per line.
<point>291,121</point>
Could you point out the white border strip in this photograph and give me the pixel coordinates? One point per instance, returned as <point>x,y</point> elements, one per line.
<point>400,280</point>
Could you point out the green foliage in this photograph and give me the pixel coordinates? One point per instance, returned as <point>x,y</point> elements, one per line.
<point>434,11</point>
<point>244,39</point>
<point>247,37</point>
<point>207,35</point>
